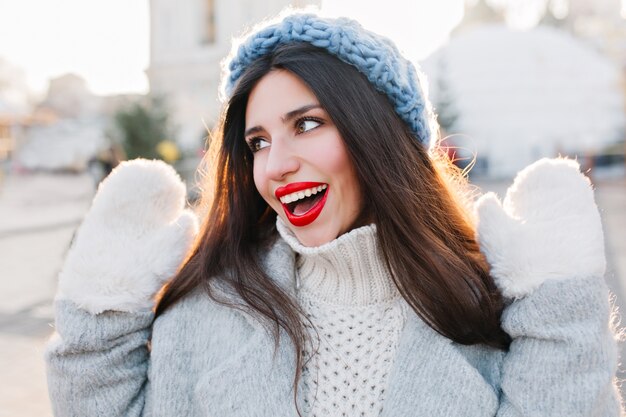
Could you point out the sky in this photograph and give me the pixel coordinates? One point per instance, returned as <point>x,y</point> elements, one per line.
<point>104,41</point>
<point>420,27</point>
<point>107,41</point>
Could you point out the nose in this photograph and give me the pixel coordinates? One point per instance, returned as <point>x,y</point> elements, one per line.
<point>281,161</point>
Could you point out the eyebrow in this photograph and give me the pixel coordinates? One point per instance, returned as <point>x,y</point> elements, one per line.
<point>286,118</point>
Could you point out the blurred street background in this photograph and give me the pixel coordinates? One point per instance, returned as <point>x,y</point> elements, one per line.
<point>85,85</point>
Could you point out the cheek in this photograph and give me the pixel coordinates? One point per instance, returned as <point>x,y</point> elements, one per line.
<point>338,164</point>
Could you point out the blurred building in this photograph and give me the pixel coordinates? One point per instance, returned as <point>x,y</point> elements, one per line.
<point>8,132</point>
<point>67,129</point>
<point>477,14</point>
<point>14,108</point>
<point>188,40</point>
<point>510,96</point>
<point>69,97</point>
<point>601,23</point>
<point>14,128</point>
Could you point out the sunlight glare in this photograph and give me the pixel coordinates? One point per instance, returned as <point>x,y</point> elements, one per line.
<point>417,27</point>
<point>104,42</point>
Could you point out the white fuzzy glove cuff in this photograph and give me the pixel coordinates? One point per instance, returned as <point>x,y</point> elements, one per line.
<point>547,228</point>
<point>131,241</point>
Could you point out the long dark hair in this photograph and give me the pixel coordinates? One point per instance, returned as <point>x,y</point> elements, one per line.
<point>425,234</point>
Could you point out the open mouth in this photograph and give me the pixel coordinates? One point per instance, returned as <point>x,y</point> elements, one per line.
<point>303,206</point>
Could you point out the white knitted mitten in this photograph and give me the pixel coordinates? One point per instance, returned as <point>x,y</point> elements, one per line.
<point>548,228</point>
<point>132,240</point>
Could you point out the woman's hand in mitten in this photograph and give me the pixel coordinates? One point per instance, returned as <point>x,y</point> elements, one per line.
<point>132,240</point>
<point>547,228</point>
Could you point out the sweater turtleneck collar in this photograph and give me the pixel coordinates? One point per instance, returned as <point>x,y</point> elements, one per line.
<point>349,270</point>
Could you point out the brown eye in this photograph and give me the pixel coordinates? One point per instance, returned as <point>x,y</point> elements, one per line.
<point>304,125</point>
<point>256,144</point>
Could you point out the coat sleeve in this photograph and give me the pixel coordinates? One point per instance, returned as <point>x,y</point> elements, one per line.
<point>97,364</point>
<point>131,242</point>
<point>563,357</point>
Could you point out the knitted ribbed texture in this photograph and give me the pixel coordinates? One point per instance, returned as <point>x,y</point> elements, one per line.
<point>373,55</point>
<point>358,315</point>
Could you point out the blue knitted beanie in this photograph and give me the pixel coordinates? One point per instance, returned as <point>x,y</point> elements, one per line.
<point>373,55</point>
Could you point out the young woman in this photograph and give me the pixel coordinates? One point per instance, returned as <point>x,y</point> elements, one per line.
<point>337,270</point>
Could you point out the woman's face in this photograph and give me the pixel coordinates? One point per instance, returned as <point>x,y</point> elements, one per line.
<point>301,167</point>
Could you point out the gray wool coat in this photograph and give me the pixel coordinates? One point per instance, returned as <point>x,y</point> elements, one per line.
<point>204,359</point>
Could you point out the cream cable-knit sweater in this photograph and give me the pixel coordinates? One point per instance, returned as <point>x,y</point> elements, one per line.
<point>358,314</point>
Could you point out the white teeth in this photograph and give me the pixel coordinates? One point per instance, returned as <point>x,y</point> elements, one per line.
<point>299,195</point>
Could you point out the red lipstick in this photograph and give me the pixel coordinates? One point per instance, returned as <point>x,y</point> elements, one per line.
<point>310,215</point>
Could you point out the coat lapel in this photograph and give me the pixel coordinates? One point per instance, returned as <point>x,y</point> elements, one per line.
<point>259,382</point>
<point>430,377</point>
<point>280,265</point>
